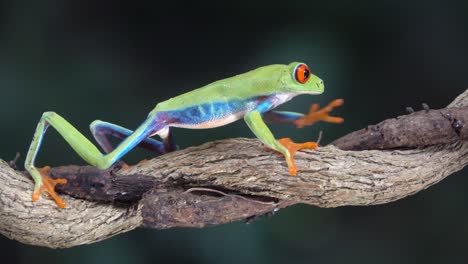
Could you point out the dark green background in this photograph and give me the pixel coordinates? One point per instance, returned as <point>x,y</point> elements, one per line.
<point>114,61</point>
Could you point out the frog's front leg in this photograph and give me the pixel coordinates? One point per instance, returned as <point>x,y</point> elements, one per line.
<point>285,145</point>
<point>282,117</point>
<point>316,114</point>
<point>300,120</point>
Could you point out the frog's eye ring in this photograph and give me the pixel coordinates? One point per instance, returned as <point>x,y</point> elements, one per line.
<point>302,73</point>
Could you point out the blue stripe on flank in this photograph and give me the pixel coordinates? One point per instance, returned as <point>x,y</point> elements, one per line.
<point>210,111</point>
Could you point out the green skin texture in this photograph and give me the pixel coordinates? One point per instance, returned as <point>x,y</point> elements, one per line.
<point>263,81</point>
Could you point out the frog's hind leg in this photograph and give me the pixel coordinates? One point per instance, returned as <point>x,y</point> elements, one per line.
<point>83,147</point>
<point>101,130</point>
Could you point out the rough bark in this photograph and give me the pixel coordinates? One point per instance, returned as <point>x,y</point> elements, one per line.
<point>251,179</point>
<point>422,128</point>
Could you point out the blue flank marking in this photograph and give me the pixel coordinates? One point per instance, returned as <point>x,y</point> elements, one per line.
<point>210,111</point>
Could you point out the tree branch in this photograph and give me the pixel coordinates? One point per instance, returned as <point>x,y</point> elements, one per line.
<point>234,179</point>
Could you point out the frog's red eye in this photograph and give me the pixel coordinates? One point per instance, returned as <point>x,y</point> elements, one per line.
<point>302,73</point>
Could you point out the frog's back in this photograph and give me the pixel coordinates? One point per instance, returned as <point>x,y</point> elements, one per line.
<point>258,82</point>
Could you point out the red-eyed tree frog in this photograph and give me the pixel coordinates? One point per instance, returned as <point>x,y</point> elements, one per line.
<point>252,96</point>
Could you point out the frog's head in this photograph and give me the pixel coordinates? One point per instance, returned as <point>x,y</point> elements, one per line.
<point>299,79</point>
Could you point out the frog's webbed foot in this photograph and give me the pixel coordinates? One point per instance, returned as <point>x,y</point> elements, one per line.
<point>292,148</point>
<point>47,185</point>
<point>315,114</point>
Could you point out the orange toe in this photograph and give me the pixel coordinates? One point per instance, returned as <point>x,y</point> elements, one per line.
<point>143,161</point>
<point>125,166</point>
<point>336,103</point>
<point>48,186</point>
<point>293,169</point>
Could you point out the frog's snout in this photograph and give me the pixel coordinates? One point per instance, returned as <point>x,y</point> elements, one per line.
<point>320,86</point>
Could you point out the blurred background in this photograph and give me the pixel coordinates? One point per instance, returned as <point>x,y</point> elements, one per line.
<point>115,60</point>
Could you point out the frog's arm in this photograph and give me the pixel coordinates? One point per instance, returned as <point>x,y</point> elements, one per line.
<point>285,145</point>
<point>300,120</point>
<point>83,147</point>
<point>282,117</point>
